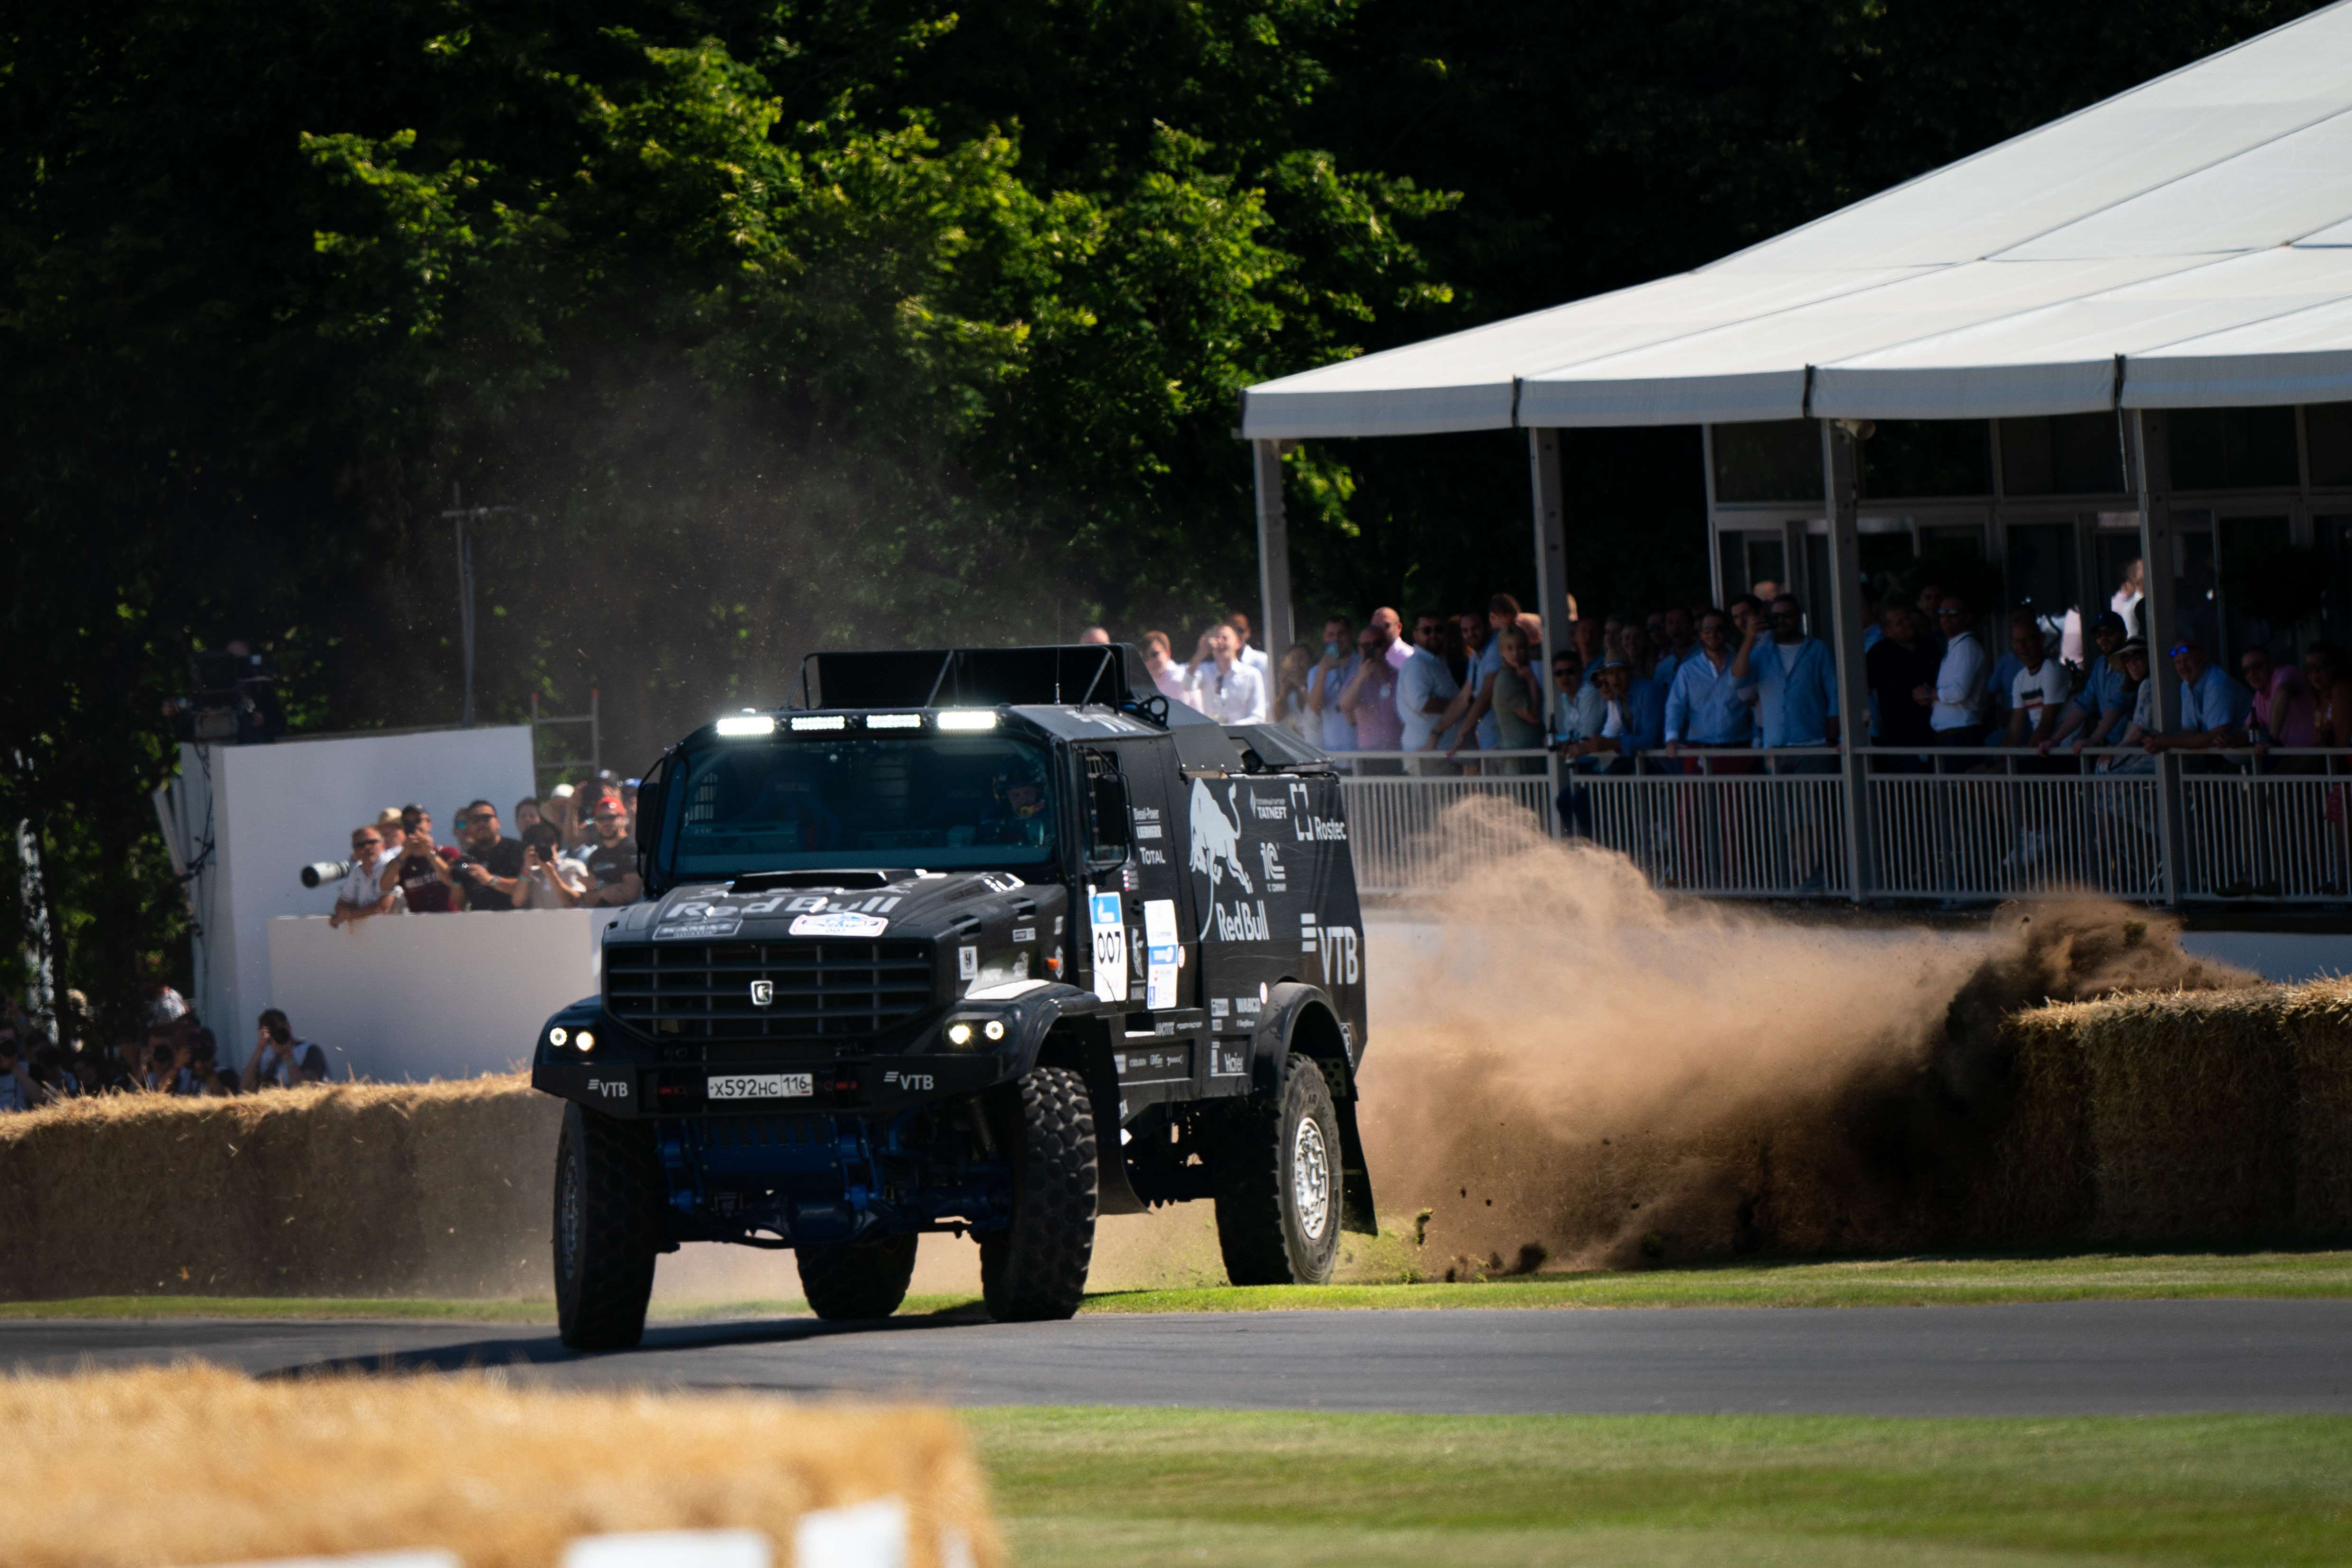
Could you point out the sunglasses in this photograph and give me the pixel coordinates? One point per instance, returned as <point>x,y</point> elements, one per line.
<point>1950,612</point>
<point>609,817</point>
<point>2177,649</point>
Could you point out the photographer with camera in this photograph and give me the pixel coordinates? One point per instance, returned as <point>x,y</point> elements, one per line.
<point>278,1060</point>
<point>420,873</point>
<point>550,879</point>
<point>362,892</point>
<point>613,858</point>
<point>490,864</point>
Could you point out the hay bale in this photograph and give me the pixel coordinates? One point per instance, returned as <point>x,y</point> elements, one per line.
<point>2038,1180</point>
<point>195,1465</point>
<point>2191,1101</point>
<point>354,1190</point>
<point>2316,1021</point>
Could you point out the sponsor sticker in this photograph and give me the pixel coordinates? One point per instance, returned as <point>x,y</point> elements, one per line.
<point>697,928</point>
<point>1025,934</point>
<point>966,963</point>
<point>1108,921</point>
<point>839,923</point>
<point>762,1086</point>
<point>1160,952</point>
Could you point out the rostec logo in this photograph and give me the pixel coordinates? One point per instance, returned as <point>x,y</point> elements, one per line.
<point>1340,966</point>
<point>763,993</point>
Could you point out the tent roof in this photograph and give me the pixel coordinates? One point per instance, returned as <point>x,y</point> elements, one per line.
<point>2186,244</point>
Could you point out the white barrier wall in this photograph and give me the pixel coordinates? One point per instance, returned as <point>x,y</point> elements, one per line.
<point>246,818</point>
<point>433,996</point>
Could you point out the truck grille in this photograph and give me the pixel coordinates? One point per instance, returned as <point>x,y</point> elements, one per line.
<point>821,990</point>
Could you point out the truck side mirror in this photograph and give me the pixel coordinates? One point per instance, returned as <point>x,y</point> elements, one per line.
<point>1107,820</point>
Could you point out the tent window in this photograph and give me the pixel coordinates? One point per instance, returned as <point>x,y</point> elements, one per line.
<point>1927,457</point>
<point>2232,448</point>
<point>2328,428</point>
<point>1774,460</point>
<point>2062,454</point>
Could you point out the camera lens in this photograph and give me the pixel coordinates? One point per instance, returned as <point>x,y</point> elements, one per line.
<point>319,872</point>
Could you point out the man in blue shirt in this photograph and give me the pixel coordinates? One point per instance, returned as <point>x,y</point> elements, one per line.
<point>1633,721</point>
<point>2102,708</point>
<point>1792,679</point>
<point>2214,707</point>
<point>1475,700</point>
<point>1705,706</point>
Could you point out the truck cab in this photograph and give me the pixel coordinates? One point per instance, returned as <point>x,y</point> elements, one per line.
<point>985,941</point>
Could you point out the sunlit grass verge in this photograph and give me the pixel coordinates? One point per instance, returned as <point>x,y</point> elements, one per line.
<point>1885,1282</point>
<point>1145,1487</point>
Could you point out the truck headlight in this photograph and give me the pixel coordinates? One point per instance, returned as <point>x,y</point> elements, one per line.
<point>959,1033</point>
<point>584,1040</point>
<point>559,1036</point>
<point>994,1029</point>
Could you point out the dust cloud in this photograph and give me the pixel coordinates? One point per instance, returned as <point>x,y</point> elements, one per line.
<point>1575,1070</point>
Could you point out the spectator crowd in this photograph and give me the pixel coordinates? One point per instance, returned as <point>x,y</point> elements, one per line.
<point>575,849</point>
<point>175,1055</point>
<point>1658,693</point>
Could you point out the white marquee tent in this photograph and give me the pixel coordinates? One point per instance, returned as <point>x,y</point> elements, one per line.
<point>2186,244</point>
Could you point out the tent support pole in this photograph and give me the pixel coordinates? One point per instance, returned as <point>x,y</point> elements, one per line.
<point>1551,576</point>
<point>1840,466</point>
<point>1274,631</point>
<point>2151,459</point>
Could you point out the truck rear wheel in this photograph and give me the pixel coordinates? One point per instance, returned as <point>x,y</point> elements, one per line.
<point>1036,1268</point>
<point>1277,1175</point>
<point>846,1281</point>
<point>608,1204</point>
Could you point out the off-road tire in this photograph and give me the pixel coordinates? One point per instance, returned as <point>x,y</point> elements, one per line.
<point>1036,1269</point>
<point>847,1280</point>
<point>608,1204</point>
<point>1280,1146</point>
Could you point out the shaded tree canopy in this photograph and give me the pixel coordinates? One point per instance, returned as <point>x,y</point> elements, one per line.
<point>774,323</point>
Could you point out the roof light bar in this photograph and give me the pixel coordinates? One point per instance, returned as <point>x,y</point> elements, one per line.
<point>894,721</point>
<point>819,721</point>
<point>741,724</point>
<point>967,719</point>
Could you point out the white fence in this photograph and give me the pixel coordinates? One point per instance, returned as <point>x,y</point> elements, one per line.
<point>1972,825</point>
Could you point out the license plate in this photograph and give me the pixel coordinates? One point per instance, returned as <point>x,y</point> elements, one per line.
<point>762,1086</point>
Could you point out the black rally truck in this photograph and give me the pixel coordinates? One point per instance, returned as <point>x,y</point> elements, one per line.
<point>975,940</point>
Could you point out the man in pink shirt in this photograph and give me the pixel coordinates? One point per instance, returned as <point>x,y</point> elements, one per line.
<point>1370,700</point>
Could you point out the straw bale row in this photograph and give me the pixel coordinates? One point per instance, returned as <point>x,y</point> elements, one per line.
<point>2193,1115</point>
<point>194,1465</point>
<point>350,1189</point>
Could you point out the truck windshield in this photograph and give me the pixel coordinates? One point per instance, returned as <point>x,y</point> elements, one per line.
<point>938,801</point>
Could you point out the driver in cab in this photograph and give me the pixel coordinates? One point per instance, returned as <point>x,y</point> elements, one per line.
<point>1016,813</point>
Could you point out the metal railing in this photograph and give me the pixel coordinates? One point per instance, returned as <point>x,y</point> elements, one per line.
<point>1394,799</point>
<point>1955,824</point>
<point>1727,821</point>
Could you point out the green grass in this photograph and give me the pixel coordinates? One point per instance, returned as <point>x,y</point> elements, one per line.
<point>1145,1487</point>
<point>1884,1282</point>
<point>1871,1282</point>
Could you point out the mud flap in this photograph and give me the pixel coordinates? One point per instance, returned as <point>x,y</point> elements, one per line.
<point>1355,1176</point>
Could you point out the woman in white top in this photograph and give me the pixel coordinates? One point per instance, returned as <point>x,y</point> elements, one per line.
<point>1227,689</point>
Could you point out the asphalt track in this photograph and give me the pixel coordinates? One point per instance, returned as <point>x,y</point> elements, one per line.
<point>2053,1359</point>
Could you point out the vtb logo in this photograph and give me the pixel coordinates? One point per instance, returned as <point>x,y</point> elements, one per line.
<point>763,993</point>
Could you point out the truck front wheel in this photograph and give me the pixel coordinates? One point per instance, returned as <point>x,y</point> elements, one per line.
<point>1036,1269</point>
<point>845,1281</point>
<point>608,1204</point>
<point>1277,1177</point>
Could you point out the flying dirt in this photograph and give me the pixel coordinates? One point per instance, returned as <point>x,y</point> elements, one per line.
<point>1586,1071</point>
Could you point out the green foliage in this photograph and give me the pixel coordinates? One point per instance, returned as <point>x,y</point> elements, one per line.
<point>773,323</point>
